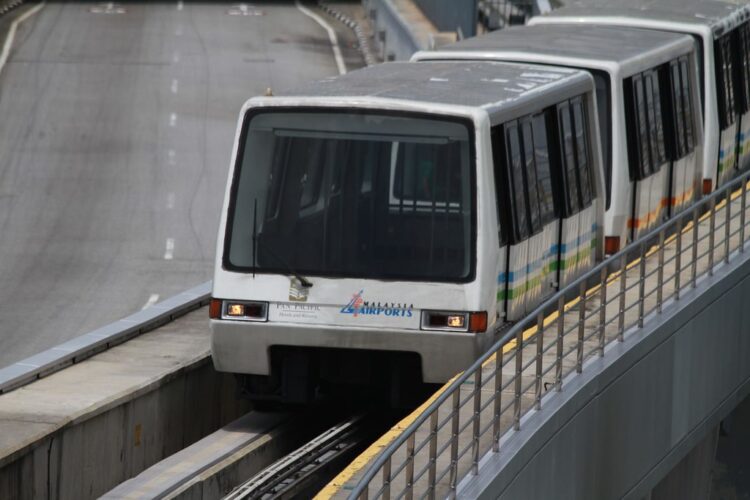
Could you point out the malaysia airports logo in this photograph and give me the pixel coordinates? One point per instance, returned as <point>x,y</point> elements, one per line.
<point>358,306</point>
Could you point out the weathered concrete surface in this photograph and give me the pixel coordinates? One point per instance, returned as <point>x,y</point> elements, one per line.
<point>81,431</point>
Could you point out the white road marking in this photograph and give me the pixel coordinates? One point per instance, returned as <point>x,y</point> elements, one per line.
<point>12,33</point>
<point>176,57</point>
<point>331,36</point>
<point>174,85</point>
<point>172,154</point>
<point>169,251</point>
<point>180,5</point>
<point>173,120</point>
<point>151,301</point>
<point>170,201</point>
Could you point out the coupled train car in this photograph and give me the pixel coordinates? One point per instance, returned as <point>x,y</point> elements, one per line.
<point>382,221</point>
<point>380,228</point>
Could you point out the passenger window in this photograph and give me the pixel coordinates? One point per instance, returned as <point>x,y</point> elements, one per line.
<point>568,156</point>
<point>518,189</point>
<point>724,83</point>
<point>582,152</point>
<point>502,191</point>
<point>543,168</point>
<point>678,113</point>
<point>743,67</point>
<point>531,177</point>
<point>643,129</point>
<point>687,105</point>
<point>655,120</point>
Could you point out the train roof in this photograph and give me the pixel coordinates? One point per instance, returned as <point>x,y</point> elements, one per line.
<point>596,47</point>
<point>488,85</point>
<point>719,15</point>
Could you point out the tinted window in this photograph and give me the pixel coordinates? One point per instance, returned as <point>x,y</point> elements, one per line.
<point>678,112</point>
<point>543,168</point>
<point>724,80</point>
<point>582,152</point>
<point>569,159</point>
<point>687,104</point>
<point>518,187</point>
<point>531,177</point>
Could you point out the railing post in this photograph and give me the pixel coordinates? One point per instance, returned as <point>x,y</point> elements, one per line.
<point>387,479</point>
<point>477,421</point>
<point>678,260</point>
<point>409,473</point>
<point>560,333</point>
<point>454,442</point>
<point>660,273</point>
<point>742,215</point>
<point>518,385</point>
<point>694,263</point>
<point>498,407</point>
<point>602,310</point>
<point>712,228</point>
<point>432,472</point>
<point>727,227</point>
<point>581,326</point>
<point>642,286</point>
<point>623,286</point>
<point>539,353</point>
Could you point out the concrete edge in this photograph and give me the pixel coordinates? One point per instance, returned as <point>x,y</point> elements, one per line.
<point>84,346</point>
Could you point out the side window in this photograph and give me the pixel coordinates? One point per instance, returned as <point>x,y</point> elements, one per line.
<point>724,83</point>
<point>532,183</point>
<point>572,198</point>
<point>742,67</point>
<point>678,112</point>
<point>502,193</point>
<point>655,120</point>
<point>643,130</point>
<point>582,152</point>
<point>543,167</point>
<point>517,187</point>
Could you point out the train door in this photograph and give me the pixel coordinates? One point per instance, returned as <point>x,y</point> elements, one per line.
<point>526,214</point>
<point>649,166</point>
<point>742,66</point>
<point>578,222</point>
<point>678,99</point>
<point>724,63</point>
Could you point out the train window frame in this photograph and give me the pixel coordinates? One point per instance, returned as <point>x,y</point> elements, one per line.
<point>724,80</point>
<point>688,106</point>
<point>676,126</point>
<point>539,127</point>
<point>583,168</point>
<point>503,205</point>
<point>517,183</point>
<point>568,159</point>
<point>530,170</point>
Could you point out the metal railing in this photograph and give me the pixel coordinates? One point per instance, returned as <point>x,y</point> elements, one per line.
<point>469,416</point>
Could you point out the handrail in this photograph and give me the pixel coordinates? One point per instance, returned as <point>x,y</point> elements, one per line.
<point>600,274</point>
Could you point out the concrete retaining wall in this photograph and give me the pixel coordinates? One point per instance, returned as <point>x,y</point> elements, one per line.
<point>620,427</point>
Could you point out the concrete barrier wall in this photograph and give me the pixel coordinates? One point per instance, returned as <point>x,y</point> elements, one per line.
<point>620,427</point>
<point>401,29</point>
<point>95,452</point>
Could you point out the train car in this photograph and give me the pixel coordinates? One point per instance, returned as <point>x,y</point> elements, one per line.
<point>382,222</point>
<point>722,31</point>
<point>648,111</point>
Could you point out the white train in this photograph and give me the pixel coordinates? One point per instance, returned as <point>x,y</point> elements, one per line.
<point>651,127</point>
<point>380,228</point>
<point>384,220</point>
<point>721,29</point>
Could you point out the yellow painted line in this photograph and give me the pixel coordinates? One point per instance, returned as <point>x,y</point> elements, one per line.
<point>374,449</point>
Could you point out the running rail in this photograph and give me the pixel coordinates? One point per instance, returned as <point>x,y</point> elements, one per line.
<point>599,308</point>
<point>82,347</point>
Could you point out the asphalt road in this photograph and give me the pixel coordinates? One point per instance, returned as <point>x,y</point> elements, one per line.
<point>115,136</point>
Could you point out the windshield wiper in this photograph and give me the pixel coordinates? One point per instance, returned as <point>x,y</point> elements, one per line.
<point>256,242</point>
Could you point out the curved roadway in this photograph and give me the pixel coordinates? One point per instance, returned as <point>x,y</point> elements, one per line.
<point>115,136</point>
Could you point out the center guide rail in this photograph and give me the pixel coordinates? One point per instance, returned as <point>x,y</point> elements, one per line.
<point>595,310</point>
<point>301,472</point>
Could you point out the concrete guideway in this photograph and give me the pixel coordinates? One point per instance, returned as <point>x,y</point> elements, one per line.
<point>81,431</point>
<point>475,424</point>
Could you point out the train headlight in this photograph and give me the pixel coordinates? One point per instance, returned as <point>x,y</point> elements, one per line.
<point>474,322</point>
<point>238,310</point>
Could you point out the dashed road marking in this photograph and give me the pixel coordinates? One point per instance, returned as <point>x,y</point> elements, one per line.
<point>151,301</point>
<point>173,120</point>
<point>170,201</point>
<point>180,5</point>
<point>331,36</point>
<point>175,83</point>
<point>176,57</point>
<point>172,155</point>
<point>169,250</point>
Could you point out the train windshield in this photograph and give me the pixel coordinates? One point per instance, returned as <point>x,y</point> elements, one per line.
<point>361,195</point>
